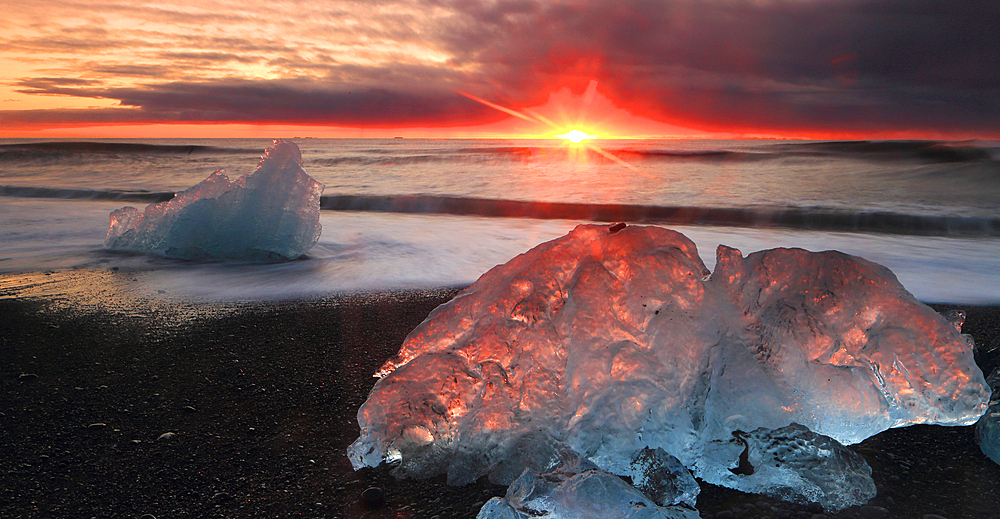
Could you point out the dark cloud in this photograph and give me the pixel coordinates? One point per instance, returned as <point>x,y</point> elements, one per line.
<point>851,66</point>
<point>784,66</point>
<point>293,102</point>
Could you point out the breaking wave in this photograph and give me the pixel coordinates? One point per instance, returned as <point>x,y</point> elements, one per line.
<point>758,217</point>
<point>33,150</point>
<point>805,218</point>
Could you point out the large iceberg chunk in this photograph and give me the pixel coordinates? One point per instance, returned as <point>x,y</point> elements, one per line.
<point>610,342</point>
<point>269,215</point>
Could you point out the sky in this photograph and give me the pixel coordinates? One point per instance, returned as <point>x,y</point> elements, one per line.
<point>507,68</point>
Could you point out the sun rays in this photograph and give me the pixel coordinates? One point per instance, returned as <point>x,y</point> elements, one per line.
<point>573,135</point>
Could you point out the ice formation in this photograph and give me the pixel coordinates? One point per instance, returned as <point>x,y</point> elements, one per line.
<point>791,463</point>
<point>269,215</point>
<point>578,489</point>
<point>609,341</point>
<point>988,427</point>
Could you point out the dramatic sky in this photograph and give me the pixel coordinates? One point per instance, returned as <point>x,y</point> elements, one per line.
<point>787,68</point>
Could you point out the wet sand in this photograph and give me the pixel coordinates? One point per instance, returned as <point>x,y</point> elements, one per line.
<point>117,404</point>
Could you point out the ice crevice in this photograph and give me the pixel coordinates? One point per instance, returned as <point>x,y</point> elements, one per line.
<point>604,344</point>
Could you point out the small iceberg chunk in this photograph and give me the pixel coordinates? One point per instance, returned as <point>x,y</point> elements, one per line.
<point>662,478</point>
<point>793,464</point>
<point>988,427</point>
<point>577,489</point>
<point>269,215</point>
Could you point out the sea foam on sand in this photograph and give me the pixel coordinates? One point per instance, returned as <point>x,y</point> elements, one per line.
<point>269,215</point>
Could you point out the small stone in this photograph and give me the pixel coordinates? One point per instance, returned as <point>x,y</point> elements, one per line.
<point>873,512</point>
<point>26,377</point>
<point>189,409</point>
<point>373,497</point>
<point>166,436</point>
<point>933,516</point>
<point>97,425</point>
<point>220,497</point>
<point>147,516</point>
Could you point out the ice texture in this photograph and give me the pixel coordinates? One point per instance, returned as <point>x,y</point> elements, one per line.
<point>794,464</point>
<point>988,427</point>
<point>609,341</point>
<point>662,478</point>
<point>269,215</point>
<point>577,489</point>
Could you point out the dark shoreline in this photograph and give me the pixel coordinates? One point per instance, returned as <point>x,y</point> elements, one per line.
<point>261,400</point>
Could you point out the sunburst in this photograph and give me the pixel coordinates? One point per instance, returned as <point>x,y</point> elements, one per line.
<point>576,136</point>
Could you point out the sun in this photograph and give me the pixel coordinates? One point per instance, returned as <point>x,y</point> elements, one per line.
<point>576,136</point>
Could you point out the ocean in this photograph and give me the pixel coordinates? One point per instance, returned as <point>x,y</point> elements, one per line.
<point>411,213</point>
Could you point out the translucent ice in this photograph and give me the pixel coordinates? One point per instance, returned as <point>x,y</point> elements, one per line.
<point>577,490</point>
<point>662,478</point>
<point>610,342</point>
<point>794,464</point>
<point>269,215</point>
<point>988,427</point>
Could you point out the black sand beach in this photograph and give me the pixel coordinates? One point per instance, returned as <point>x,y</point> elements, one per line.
<point>125,406</point>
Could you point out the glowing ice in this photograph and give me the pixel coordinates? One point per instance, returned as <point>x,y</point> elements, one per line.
<point>269,215</point>
<point>610,342</point>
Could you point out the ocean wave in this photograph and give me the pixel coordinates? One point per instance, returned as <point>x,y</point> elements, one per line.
<point>816,219</point>
<point>380,160</point>
<point>695,155</point>
<point>915,150</point>
<point>148,197</point>
<point>57,149</point>
<point>805,218</point>
<point>921,151</point>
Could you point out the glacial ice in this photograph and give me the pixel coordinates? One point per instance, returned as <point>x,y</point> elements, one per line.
<point>794,464</point>
<point>609,341</point>
<point>988,427</point>
<point>662,478</point>
<point>269,215</point>
<point>577,489</point>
